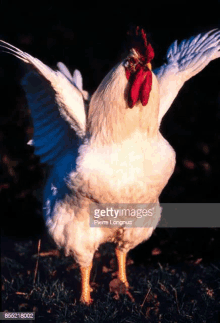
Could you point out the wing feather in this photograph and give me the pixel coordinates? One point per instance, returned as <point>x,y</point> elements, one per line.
<point>57,107</point>
<point>47,121</point>
<point>63,69</point>
<point>183,62</point>
<point>67,96</point>
<point>77,79</point>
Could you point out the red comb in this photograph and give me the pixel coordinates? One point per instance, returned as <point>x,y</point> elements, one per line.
<point>140,44</point>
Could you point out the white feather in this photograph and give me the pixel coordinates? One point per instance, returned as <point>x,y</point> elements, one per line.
<point>77,79</point>
<point>63,69</point>
<point>183,62</point>
<point>68,97</point>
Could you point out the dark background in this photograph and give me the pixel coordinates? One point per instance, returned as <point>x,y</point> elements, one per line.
<point>93,41</point>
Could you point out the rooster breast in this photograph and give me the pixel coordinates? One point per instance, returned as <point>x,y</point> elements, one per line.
<point>134,171</point>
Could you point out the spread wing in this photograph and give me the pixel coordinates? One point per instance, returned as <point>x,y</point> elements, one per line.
<point>183,62</point>
<point>57,103</point>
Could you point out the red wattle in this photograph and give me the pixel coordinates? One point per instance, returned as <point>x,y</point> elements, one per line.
<point>140,87</point>
<point>135,86</point>
<point>146,88</point>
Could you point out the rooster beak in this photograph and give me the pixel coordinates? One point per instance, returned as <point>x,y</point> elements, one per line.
<point>149,66</point>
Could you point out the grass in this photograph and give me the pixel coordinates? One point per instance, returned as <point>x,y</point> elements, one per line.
<point>186,289</point>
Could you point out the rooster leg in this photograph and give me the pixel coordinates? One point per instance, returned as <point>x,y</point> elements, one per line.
<point>85,276</point>
<point>121,257</point>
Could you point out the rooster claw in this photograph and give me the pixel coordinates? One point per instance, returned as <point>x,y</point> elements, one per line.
<point>86,302</point>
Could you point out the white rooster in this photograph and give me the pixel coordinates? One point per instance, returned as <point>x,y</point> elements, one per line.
<point>114,153</point>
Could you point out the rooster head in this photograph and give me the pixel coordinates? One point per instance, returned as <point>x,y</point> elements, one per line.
<point>138,68</point>
<point>130,83</point>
